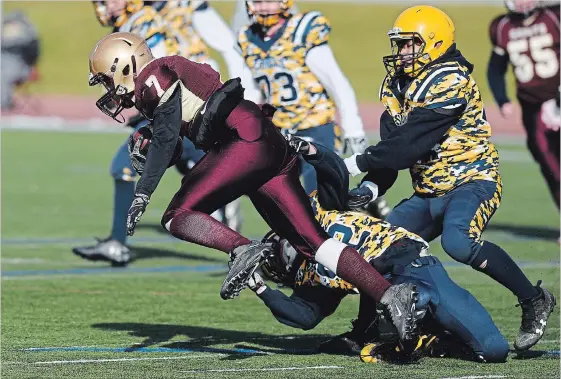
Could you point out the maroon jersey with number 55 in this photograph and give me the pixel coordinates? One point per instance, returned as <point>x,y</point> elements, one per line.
<point>158,80</point>
<point>532,46</point>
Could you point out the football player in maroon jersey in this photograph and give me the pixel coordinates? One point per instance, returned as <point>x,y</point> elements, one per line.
<point>528,38</point>
<point>246,155</point>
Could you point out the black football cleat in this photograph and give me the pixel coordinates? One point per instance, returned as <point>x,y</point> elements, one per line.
<point>245,260</point>
<point>535,313</point>
<point>400,300</point>
<point>108,250</point>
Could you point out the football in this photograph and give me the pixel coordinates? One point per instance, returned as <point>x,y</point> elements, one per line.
<point>139,143</point>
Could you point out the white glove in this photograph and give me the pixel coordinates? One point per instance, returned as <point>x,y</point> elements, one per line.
<point>550,115</point>
<point>352,166</point>
<point>256,283</point>
<point>354,145</point>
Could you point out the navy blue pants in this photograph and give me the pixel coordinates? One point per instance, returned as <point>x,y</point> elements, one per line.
<point>460,217</point>
<point>448,305</point>
<point>325,135</point>
<point>453,308</point>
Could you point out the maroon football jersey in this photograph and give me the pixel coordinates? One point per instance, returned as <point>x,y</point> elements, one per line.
<point>159,78</point>
<point>532,45</point>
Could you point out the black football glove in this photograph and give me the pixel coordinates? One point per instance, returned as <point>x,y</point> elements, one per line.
<point>361,196</point>
<point>300,145</point>
<point>207,123</point>
<point>136,211</point>
<point>135,120</point>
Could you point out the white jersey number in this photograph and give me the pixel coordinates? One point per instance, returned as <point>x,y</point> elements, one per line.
<point>152,81</point>
<point>540,51</point>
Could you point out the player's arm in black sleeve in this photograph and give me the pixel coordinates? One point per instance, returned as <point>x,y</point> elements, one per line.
<point>498,65</point>
<point>496,71</point>
<point>384,178</point>
<point>165,132</point>
<point>332,178</point>
<point>305,308</point>
<point>405,145</point>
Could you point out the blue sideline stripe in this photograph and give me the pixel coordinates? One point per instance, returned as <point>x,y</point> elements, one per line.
<point>89,271</point>
<point>169,269</point>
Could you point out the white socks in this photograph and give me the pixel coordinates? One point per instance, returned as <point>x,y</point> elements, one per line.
<point>328,254</point>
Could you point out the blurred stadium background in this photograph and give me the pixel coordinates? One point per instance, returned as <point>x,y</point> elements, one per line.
<point>161,316</point>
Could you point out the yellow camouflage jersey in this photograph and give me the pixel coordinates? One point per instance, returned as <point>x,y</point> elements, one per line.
<point>179,15</point>
<point>144,21</point>
<point>278,65</point>
<point>465,152</point>
<point>370,236</point>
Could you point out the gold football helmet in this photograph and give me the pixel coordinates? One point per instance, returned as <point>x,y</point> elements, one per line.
<point>114,63</point>
<point>266,20</point>
<point>420,35</point>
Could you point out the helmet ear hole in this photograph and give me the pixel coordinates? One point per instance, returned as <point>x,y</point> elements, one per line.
<point>126,70</point>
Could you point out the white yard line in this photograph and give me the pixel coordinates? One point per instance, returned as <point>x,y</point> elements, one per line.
<point>549,341</point>
<point>477,377</point>
<point>265,369</point>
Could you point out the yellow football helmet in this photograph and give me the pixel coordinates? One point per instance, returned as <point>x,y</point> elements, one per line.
<point>270,19</point>
<point>425,33</point>
<point>114,63</point>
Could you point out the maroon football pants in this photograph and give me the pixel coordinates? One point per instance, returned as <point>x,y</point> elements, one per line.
<point>259,163</point>
<point>267,172</point>
<point>543,144</point>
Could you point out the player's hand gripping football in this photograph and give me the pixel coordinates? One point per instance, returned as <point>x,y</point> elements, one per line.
<point>300,145</point>
<point>361,196</point>
<point>136,211</point>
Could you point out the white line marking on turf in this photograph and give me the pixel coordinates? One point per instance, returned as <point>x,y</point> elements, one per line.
<point>477,377</point>
<point>23,260</point>
<point>266,369</point>
<point>82,361</point>
<point>549,341</point>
